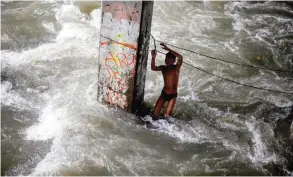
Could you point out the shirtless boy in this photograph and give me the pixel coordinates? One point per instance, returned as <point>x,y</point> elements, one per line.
<point>171,77</point>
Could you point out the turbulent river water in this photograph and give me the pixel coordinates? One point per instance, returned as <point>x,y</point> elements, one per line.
<point>52,124</point>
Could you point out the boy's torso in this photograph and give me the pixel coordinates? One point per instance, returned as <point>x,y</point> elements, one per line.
<point>171,79</point>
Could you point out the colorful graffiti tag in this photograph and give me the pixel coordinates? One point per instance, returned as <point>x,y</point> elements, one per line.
<point>119,34</point>
<point>118,68</point>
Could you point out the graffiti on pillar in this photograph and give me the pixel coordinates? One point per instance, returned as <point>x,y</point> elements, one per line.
<point>123,10</point>
<point>118,68</point>
<point>120,23</point>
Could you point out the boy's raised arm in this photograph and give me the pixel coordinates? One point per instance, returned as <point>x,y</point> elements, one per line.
<point>153,65</point>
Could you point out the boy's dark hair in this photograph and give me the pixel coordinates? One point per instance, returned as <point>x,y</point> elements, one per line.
<point>169,54</point>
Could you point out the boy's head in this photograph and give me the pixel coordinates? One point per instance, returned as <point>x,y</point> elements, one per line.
<point>170,59</point>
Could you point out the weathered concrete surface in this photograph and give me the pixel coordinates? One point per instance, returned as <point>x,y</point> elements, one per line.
<point>122,64</point>
<point>142,56</point>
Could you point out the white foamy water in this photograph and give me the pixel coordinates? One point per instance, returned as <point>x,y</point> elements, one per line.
<point>215,124</point>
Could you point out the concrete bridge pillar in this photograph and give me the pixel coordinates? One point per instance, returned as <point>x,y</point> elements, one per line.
<point>124,42</point>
